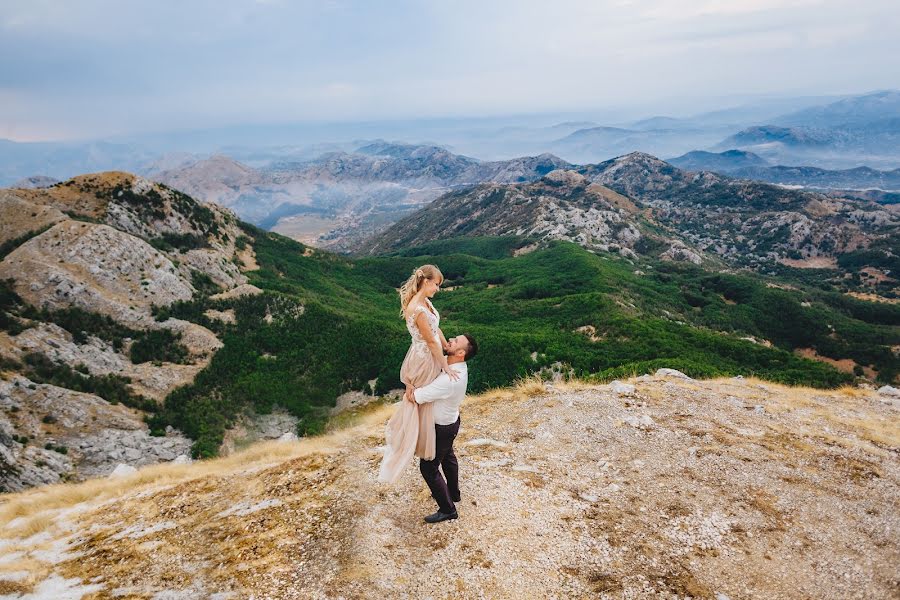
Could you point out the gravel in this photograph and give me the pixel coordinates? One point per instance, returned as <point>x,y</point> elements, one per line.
<point>561,498</point>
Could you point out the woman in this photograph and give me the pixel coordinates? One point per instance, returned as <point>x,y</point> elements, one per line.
<point>411,429</point>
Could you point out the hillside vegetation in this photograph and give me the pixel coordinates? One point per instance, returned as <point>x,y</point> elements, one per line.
<point>326,325</point>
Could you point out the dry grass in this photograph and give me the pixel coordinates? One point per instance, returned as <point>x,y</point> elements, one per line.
<point>529,386</point>
<point>32,503</point>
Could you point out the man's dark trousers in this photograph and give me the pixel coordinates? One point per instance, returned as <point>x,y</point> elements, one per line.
<point>442,490</point>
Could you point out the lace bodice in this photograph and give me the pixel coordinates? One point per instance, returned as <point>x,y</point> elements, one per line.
<point>434,321</point>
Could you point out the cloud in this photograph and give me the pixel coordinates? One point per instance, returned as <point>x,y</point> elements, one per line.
<point>97,67</point>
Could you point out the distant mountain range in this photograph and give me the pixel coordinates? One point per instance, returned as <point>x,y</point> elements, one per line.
<point>658,136</point>
<point>746,165</point>
<point>345,196</point>
<point>335,193</point>
<point>858,127</point>
<point>862,130</point>
<point>857,110</point>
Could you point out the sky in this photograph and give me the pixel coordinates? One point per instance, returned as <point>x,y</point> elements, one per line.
<point>79,69</point>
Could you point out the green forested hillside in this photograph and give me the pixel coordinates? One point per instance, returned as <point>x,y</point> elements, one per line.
<point>326,325</point>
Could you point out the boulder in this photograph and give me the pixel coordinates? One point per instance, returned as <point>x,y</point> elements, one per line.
<point>122,470</point>
<point>887,390</point>
<point>671,373</point>
<point>622,389</point>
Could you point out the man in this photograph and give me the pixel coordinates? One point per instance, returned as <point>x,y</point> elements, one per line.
<point>447,396</point>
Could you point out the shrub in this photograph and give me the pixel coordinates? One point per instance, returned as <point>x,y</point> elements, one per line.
<point>159,345</point>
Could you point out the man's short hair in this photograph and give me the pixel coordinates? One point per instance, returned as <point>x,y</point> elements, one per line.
<point>471,346</point>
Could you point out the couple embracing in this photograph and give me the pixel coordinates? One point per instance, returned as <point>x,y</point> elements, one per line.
<point>427,420</point>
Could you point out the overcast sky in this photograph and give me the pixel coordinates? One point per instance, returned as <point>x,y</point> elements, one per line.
<point>91,68</point>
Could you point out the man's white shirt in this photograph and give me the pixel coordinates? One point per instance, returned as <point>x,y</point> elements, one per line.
<point>446,394</point>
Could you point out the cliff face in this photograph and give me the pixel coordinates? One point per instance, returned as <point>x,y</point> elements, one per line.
<point>658,486</point>
<point>83,264</point>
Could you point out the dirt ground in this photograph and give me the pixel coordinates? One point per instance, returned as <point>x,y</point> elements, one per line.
<point>729,488</point>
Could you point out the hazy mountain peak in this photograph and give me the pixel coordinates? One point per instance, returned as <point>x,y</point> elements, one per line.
<point>727,161</point>
<point>35,182</point>
<point>856,110</point>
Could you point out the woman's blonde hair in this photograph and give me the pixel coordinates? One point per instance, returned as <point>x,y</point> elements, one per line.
<point>414,284</point>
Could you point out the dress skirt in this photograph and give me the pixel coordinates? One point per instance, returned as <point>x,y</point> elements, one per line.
<point>410,431</point>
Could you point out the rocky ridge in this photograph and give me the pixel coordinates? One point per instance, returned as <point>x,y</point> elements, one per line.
<point>562,205</point>
<point>747,222</point>
<point>659,486</point>
<point>115,246</point>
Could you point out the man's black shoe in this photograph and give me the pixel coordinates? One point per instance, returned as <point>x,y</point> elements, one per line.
<point>456,498</point>
<point>439,516</point>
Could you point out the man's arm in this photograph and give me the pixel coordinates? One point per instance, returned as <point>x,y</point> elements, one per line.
<point>436,390</point>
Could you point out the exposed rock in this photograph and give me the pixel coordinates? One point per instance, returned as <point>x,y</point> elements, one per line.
<point>681,253</point>
<point>200,341</point>
<point>486,442</point>
<point>639,421</point>
<point>226,316</point>
<point>245,289</point>
<point>122,470</point>
<point>351,400</point>
<point>671,373</point>
<point>887,390</point>
<point>561,206</point>
<point>251,427</point>
<point>100,359</point>
<point>622,389</point>
<point>564,177</point>
<point>96,268</point>
<point>95,435</point>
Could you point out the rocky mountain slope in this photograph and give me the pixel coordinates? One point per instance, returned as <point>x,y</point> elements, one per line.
<point>85,263</point>
<point>661,486</point>
<point>749,222</point>
<point>344,196</point>
<point>563,205</point>
<point>609,205</point>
